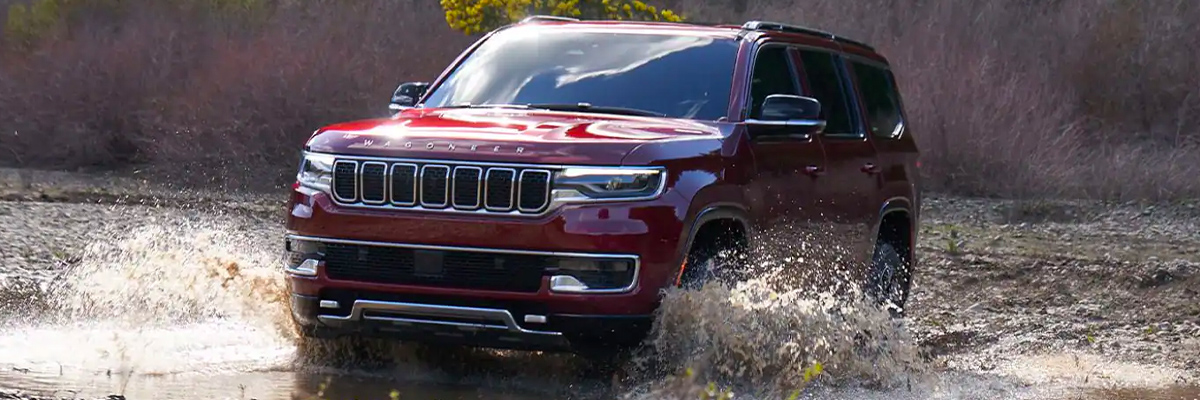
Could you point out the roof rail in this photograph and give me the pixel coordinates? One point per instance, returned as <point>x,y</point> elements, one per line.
<point>534,18</point>
<point>782,27</point>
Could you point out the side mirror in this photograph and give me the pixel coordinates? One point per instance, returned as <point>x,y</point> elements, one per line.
<point>407,95</point>
<point>784,107</point>
<point>785,115</point>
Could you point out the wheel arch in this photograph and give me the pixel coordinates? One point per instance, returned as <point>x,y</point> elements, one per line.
<point>713,216</point>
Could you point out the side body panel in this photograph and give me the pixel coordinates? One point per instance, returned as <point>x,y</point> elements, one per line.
<point>781,195</point>
<point>851,193</point>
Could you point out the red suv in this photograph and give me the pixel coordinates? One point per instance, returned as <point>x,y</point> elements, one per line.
<point>560,174</point>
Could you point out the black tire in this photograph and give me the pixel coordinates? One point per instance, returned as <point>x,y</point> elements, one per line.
<point>889,278</point>
<point>718,260</point>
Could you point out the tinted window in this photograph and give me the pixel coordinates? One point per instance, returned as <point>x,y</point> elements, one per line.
<point>879,96</point>
<point>825,85</point>
<point>772,75</point>
<point>679,76</point>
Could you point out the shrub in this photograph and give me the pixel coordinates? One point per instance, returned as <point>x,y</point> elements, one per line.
<point>474,16</point>
<point>1082,98</point>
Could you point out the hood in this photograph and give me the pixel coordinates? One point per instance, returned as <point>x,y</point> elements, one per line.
<point>506,135</point>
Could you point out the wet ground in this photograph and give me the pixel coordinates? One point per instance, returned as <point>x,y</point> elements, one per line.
<point>102,293</point>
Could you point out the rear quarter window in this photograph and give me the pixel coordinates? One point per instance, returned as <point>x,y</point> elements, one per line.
<point>880,100</point>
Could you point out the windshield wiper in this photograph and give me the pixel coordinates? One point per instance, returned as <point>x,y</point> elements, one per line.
<point>585,107</point>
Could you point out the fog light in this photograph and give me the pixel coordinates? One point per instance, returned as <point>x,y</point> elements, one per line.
<point>618,266</point>
<point>575,264</point>
<point>329,304</point>
<point>306,268</point>
<point>535,319</point>
<point>567,284</point>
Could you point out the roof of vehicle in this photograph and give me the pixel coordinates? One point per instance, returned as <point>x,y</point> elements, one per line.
<point>750,29</point>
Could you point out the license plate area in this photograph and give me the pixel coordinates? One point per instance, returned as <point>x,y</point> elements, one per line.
<point>429,263</point>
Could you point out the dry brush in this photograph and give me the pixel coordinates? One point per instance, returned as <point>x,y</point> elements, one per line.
<point>1062,98</point>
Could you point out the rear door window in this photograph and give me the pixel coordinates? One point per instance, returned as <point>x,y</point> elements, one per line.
<point>822,72</point>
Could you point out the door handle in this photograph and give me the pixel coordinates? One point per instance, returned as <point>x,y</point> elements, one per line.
<point>814,170</point>
<point>871,168</point>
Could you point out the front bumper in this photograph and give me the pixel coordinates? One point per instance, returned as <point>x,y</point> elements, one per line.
<point>650,232</point>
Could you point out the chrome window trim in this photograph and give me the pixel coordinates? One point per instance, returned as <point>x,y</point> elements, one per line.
<point>415,186</point>
<point>454,186</point>
<point>512,190</point>
<point>333,181</point>
<point>546,195</point>
<point>445,196</point>
<point>637,261</point>
<point>788,122</point>
<point>362,195</point>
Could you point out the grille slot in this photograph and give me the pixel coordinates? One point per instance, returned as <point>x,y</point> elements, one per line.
<point>374,182</point>
<point>440,186</point>
<point>534,190</point>
<point>345,181</point>
<point>499,189</point>
<point>466,187</point>
<point>435,187</point>
<point>404,184</point>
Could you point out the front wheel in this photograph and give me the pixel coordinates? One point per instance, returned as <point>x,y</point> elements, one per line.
<point>718,261</point>
<point>889,278</point>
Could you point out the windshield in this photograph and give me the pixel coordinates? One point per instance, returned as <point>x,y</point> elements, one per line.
<point>669,74</point>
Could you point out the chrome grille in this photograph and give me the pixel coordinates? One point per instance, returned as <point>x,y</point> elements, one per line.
<point>442,186</point>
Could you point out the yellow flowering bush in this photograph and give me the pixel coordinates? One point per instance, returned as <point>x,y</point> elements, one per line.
<point>26,22</point>
<point>37,19</point>
<point>475,16</point>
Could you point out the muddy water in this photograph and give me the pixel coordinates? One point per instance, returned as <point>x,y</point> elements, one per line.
<point>197,312</point>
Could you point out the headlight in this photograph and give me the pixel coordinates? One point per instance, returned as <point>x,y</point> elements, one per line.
<point>585,183</point>
<point>316,171</point>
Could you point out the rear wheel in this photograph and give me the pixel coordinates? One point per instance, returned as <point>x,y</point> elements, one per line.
<point>889,278</point>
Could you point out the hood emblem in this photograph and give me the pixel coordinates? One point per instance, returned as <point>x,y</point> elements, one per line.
<point>447,146</point>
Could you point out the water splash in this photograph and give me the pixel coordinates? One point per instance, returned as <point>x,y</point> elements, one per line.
<point>194,297</point>
<point>165,275</point>
<point>802,320</point>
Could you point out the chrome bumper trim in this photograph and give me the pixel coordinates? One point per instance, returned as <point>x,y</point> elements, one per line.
<point>503,320</point>
<point>305,269</point>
